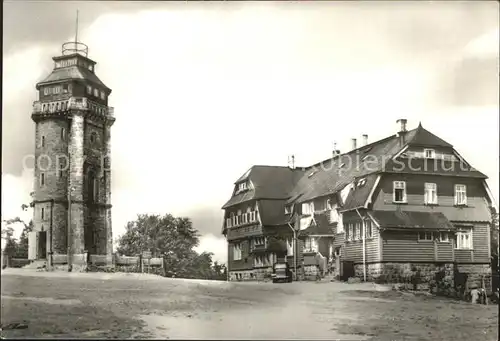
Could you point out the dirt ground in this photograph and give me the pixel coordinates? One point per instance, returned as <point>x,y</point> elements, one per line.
<point>61,305</point>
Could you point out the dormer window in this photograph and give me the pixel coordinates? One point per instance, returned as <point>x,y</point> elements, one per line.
<point>307,208</point>
<point>65,88</point>
<point>91,67</point>
<point>96,93</point>
<point>429,153</point>
<point>242,187</point>
<point>89,89</point>
<point>103,95</point>
<point>361,182</point>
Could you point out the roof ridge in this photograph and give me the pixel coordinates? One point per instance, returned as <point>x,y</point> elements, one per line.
<point>359,149</point>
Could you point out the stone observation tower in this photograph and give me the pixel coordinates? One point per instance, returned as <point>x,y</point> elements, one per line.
<point>72,197</point>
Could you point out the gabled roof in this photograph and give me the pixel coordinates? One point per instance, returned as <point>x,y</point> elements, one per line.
<point>73,72</point>
<point>269,182</point>
<point>331,175</point>
<point>423,137</point>
<point>412,220</point>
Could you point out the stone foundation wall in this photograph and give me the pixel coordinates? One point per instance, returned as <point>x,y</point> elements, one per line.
<point>429,276</point>
<point>243,275</point>
<point>476,273</point>
<point>310,273</point>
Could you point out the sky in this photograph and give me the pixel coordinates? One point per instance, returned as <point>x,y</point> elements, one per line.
<point>202,91</point>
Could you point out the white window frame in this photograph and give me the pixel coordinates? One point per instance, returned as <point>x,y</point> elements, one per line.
<point>432,153</point>
<point>307,208</point>
<point>258,261</point>
<point>349,232</point>
<point>228,222</point>
<point>444,237</point>
<point>237,252</point>
<point>340,227</point>
<point>368,222</point>
<point>463,243</point>
<point>328,204</point>
<point>333,216</point>
<point>288,209</point>
<point>430,193</point>
<point>103,95</point>
<point>428,236</point>
<point>460,194</point>
<point>289,247</point>
<point>357,229</point>
<point>89,90</point>
<point>399,185</point>
<point>311,244</point>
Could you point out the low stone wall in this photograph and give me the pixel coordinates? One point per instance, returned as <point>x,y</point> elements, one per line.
<point>437,277</point>
<point>310,273</point>
<point>242,275</point>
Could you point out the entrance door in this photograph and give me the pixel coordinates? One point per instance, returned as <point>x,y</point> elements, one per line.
<point>42,245</point>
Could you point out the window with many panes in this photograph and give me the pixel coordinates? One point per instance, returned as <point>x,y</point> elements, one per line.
<point>311,244</point>
<point>237,252</point>
<point>460,195</point>
<point>399,191</point>
<point>444,237</point>
<point>368,225</point>
<point>425,236</point>
<point>429,153</point>
<point>430,193</point>
<point>349,232</point>
<point>464,238</point>
<point>357,232</point>
<point>307,208</point>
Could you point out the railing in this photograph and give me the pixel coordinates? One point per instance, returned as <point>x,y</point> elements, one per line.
<point>75,103</point>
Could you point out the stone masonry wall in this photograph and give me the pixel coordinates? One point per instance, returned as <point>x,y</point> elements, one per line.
<point>403,272</point>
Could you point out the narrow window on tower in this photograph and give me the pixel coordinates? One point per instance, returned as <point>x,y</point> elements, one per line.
<point>43,213</point>
<point>42,179</point>
<point>63,134</point>
<point>43,141</point>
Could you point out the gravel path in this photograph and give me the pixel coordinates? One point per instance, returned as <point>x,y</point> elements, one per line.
<point>61,305</point>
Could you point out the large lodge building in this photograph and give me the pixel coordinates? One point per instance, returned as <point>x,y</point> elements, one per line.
<point>407,201</point>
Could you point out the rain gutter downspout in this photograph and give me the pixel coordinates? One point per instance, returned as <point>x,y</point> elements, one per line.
<point>294,248</point>
<point>364,244</point>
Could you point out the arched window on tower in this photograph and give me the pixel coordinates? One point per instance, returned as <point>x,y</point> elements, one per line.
<point>93,186</point>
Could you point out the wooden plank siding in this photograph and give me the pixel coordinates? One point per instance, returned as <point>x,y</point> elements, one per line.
<point>477,209</point>
<point>353,250</point>
<point>404,246</point>
<point>480,243</point>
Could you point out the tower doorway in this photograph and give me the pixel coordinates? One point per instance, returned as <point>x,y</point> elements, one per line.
<point>42,245</point>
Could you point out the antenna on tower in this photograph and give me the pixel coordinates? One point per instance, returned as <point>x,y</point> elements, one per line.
<point>76,33</point>
<point>72,47</point>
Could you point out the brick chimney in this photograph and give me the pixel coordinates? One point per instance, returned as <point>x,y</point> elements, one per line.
<point>402,130</point>
<point>365,139</point>
<point>353,144</point>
